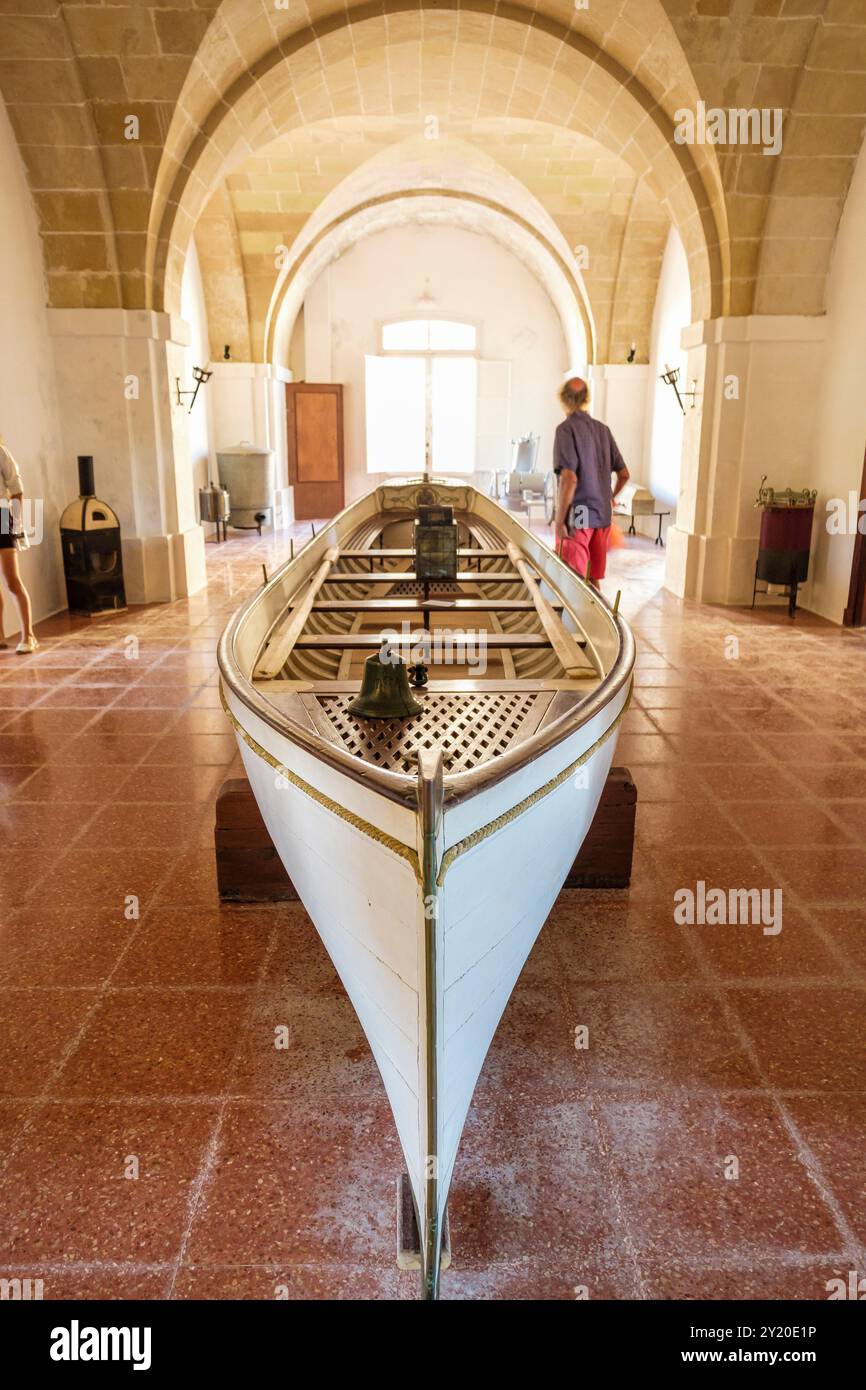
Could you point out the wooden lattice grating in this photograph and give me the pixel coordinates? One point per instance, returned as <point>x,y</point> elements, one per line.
<point>413,588</point>
<point>471,728</point>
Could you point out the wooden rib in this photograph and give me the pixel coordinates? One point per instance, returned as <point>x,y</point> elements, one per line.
<point>327,665</point>
<point>410,577</point>
<point>419,605</point>
<point>372,641</point>
<point>344,662</point>
<point>374,553</point>
<point>505,655</point>
<point>283,640</point>
<point>531,684</point>
<point>565,645</point>
<point>344,666</point>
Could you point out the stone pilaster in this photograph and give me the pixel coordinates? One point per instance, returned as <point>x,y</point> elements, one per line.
<point>757,381</point>
<point>115,372</point>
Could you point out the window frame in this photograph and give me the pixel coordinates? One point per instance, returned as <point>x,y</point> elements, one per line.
<point>416,317</point>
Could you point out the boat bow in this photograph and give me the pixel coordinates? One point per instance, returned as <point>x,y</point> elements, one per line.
<point>429,851</point>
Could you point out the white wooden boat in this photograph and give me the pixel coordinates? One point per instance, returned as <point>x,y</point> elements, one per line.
<point>428,851</point>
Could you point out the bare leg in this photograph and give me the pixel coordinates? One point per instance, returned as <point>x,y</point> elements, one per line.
<point>9,570</point>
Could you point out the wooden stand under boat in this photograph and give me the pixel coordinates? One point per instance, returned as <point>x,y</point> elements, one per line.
<point>427,848</point>
<point>249,870</point>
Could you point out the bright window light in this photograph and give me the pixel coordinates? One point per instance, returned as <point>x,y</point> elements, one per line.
<point>396,396</point>
<point>451,337</point>
<point>454,397</point>
<point>429,335</point>
<point>410,335</point>
<point>413,400</point>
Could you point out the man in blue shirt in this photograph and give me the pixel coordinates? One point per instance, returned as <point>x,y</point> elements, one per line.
<point>585,455</point>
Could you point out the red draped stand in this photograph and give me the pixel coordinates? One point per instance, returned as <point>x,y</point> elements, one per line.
<point>785,541</point>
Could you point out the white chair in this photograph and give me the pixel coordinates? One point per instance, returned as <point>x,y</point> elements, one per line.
<point>525,485</point>
<point>524,452</point>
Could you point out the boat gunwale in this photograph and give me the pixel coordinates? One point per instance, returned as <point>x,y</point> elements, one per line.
<point>401,787</point>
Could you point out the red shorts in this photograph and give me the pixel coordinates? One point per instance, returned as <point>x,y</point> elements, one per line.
<point>587,547</point>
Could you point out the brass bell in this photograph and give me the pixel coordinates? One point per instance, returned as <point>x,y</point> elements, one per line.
<point>385,692</point>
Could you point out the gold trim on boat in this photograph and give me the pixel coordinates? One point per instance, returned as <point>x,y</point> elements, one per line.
<point>381,837</point>
<point>399,787</point>
<point>366,827</point>
<point>484,831</point>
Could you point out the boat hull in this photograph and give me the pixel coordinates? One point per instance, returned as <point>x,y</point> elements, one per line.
<point>429,890</point>
<point>429,923</point>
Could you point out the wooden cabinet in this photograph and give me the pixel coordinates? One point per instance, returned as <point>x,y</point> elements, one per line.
<point>314,432</point>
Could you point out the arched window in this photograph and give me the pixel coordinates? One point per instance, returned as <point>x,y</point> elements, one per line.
<point>429,335</point>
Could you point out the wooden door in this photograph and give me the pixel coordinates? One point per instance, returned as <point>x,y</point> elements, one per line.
<point>855,613</point>
<point>314,430</point>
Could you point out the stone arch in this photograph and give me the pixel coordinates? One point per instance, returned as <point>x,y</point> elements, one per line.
<point>413,174</point>
<point>555,71</point>
<point>807,185</point>
<point>46,96</point>
<point>454,206</point>
<point>223,282</point>
<point>591,202</point>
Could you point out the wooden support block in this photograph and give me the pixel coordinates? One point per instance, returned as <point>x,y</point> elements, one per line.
<point>248,867</point>
<point>408,1239</point>
<point>605,856</point>
<point>250,870</point>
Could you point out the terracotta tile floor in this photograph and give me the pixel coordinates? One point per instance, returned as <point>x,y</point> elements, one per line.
<point>154,1142</point>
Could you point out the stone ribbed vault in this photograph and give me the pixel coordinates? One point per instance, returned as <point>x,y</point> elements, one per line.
<point>578,105</point>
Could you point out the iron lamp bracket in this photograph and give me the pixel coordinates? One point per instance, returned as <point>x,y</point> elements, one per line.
<point>671,377</point>
<point>199,376</point>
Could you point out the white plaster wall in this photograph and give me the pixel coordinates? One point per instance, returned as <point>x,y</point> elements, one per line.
<point>756,413</point>
<point>840,405</point>
<point>115,371</point>
<point>28,405</point>
<point>113,378</point>
<point>240,413</point>
<point>471,277</point>
<point>618,397</point>
<point>664,418</point>
<point>248,406</point>
<point>197,354</point>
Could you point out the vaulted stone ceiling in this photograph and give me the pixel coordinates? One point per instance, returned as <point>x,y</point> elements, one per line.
<point>594,198</point>
<point>214,85</point>
<point>449,64</point>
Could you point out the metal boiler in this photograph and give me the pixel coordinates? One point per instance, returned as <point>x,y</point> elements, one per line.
<point>248,473</point>
<point>214,505</point>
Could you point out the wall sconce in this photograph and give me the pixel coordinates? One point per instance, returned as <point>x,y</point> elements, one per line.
<point>670,376</point>
<point>199,376</point>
